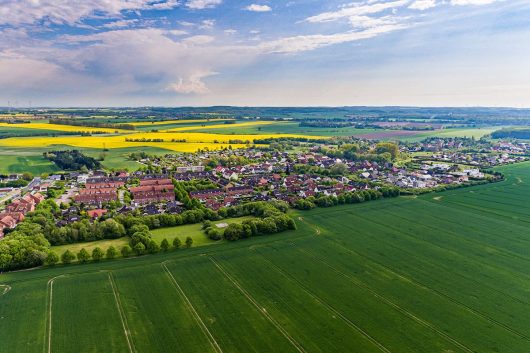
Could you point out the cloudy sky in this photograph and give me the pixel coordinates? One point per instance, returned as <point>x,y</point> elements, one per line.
<point>264,52</point>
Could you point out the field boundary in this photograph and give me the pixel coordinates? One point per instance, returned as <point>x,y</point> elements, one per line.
<point>350,323</point>
<point>121,312</point>
<point>192,310</point>
<point>48,315</point>
<point>261,309</point>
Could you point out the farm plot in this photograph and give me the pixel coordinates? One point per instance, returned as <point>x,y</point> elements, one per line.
<point>223,308</point>
<point>22,314</point>
<point>84,315</point>
<point>312,324</point>
<point>157,316</point>
<point>444,273</point>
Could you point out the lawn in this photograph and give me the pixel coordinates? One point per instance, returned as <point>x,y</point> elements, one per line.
<point>445,272</point>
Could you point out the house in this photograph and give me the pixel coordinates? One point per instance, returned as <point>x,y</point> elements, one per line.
<point>96,213</point>
<point>96,196</point>
<point>153,190</point>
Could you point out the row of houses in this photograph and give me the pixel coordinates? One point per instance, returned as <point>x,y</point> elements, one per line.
<point>103,189</point>
<point>15,212</point>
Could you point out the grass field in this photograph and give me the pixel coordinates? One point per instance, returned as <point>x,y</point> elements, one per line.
<point>182,232</point>
<point>438,273</point>
<point>22,160</point>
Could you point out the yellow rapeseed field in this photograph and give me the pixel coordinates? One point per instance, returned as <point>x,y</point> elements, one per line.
<point>220,126</point>
<point>189,142</point>
<point>169,122</point>
<point>66,128</point>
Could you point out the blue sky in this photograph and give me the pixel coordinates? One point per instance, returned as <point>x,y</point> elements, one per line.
<point>264,52</point>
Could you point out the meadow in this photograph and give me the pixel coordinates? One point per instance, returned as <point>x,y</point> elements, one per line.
<point>440,273</point>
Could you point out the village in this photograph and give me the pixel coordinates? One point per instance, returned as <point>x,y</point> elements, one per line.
<point>220,179</point>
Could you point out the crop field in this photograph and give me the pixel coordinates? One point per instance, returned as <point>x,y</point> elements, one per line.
<point>66,128</point>
<point>193,141</point>
<point>438,273</point>
<point>20,161</point>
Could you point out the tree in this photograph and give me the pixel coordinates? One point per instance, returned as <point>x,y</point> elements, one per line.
<point>111,252</point>
<point>189,242</point>
<point>126,251</point>
<point>164,245</point>
<point>27,176</point>
<point>52,258</point>
<point>177,243</point>
<point>83,256</point>
<point>139,249</point>
<point>153,247</point>
<point>338,169</point>
<point>389,147</point>
<point>67,257</point>
<point>97,254</point>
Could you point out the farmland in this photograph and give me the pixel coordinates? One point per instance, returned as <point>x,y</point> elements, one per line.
<point>443,272</point>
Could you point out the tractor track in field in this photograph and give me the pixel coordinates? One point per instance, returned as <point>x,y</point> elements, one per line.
<point>192,310</point>
<point>317,230</point>
<point>6,288</point>
<point>348,322</point>
<point>121,312</point>
<point>260,308</point>
<point>392,304</point>
<point>48,315</point>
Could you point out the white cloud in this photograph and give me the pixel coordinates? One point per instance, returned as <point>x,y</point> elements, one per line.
<point>198,40</point>
<point>17,12</point>
<point>258,8</point>
<point>471,2</point>
<point>298,44</point>
<point>202,4</point>
<point>121,23</point>
<point>422,5</point>
<point>369,7</point>
<point>191,85</point>
<point>207,24</point>
<point>370,22</point>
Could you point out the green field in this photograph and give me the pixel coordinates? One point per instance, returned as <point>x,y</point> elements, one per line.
<point>182,232</point>
<point>438,273</point>
<point>19,160</point>
<point>22,160</point>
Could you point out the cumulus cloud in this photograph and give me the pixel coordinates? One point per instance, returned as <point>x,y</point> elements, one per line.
<point>258,8</point>
<point>202,4</point>
<point>17,12</point>
<point>191,85</point>
<point>422,5</point>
